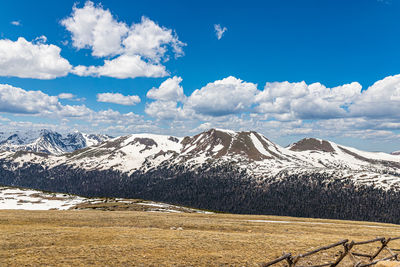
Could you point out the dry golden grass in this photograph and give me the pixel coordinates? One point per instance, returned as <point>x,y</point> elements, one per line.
<point>135,238</point>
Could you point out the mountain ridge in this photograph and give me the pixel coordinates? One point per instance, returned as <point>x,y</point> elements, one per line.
<point>248,150</point>
<point>48,141</point>
<point>239,172</point>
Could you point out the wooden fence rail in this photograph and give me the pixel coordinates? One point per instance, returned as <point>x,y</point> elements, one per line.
<point>348,250</point>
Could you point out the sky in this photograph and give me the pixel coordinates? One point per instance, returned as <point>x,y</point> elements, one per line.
<point>288,69</point>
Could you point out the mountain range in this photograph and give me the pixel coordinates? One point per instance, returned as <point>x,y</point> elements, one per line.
<point>47,141</point>
<point>223,170</point>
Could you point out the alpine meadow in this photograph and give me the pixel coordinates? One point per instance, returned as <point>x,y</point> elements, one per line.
<point>212,133</point>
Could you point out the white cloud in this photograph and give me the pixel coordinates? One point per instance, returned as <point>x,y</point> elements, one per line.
<point>219,31</point>
<point>94,27</point>
<point>223,97</point>
<point>169,90</point>
<point>150,40</point>
<point>118,98</point>
<point>288,101</point>
<point>16,23</point>
<point>283,110</point>
<point>19,101</point>
<point>137,50</point>
<point>114,117</point>
<point>382,99</point>
<point>70,97</point>
<point>283,102</point>
<point>167,97</point>
<point>66,96</point>
<point>71,111</point>
<point>122,67</point>
<point>166,110</point>
<point>38,60</point>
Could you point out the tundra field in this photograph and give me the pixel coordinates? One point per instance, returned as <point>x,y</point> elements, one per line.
<point>137,238</point>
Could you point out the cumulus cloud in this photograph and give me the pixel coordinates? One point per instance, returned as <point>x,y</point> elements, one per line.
<point>219,98</point>
<point>70,111</point>
<point>137,50</point>
<point>382,99</point>
<point>280,110</point>
<point>222,97</point>
<point>118,98</point>
<point>281,101</point>
<point>95,28</point>
<point>288,101</point>
<point>166,110</point>
<point>114,117</point>
<point>169,90</point>
<point>150,40</point>
<point>16,23</point>
<point>122,67</point>
<point>19,101</point>
<point>168,96</point>
<point>35,59</point>
<point>219,31</point>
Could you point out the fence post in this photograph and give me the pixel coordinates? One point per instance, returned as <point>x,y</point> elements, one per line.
<point>290,261</point>
<point>347,247</point>
<point>384,243</point>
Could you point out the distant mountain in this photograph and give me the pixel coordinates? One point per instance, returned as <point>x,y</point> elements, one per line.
<point>47,141</point>
<point>396,152</point>
<point>217,169</point>
<point>249,151</point>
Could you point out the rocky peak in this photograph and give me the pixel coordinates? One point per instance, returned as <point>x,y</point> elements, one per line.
<point>218,143</point>
<point>312,144</point>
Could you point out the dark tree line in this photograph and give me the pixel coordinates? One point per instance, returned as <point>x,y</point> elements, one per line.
<point>224,188</point>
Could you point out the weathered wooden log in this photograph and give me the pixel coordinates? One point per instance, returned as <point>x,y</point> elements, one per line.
<point>353,259</point>
<point>284,257</point>
<point>361,254</point>
<point>369,241</point>
<point>384,243</point>
<point>391,253</point>
<point>376,261</point>
<point>324,248</point>
<point>321,265</point>
<point>347,247</point>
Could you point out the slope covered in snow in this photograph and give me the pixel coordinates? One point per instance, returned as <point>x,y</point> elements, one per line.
<point>249,151</point>
<point>27,199</point>
<point>46,141</point>
<point>14,198</point>
<point>127,153</point>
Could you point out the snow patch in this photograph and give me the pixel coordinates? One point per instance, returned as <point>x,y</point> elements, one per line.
<point>259,146</point>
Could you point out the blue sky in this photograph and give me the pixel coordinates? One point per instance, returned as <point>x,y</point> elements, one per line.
<point>287,69</point>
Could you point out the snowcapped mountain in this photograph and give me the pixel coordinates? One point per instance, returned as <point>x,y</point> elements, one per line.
<point>47,141</point>
<point>216,169</point>
<point>249,151</point>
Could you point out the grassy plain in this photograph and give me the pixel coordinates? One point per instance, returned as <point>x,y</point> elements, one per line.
<point>137,238</point>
